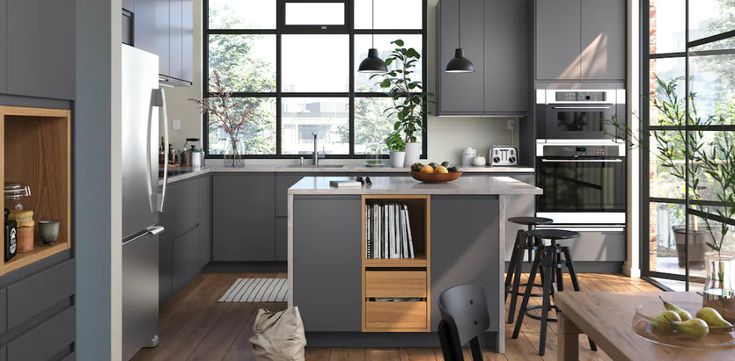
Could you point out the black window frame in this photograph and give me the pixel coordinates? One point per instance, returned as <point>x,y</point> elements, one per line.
<point>282,29</point>
<point>646,201</point>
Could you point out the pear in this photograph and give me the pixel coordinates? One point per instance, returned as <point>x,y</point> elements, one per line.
<point>712,317</point>
<point>685,316</point>
<point>662,322</point>
<point>694,328</point>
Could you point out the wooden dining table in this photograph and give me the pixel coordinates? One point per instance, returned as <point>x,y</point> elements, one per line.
<point>607,317</point>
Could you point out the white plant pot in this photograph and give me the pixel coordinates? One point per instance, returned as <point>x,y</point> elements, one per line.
<point>413,153</point>
<point>396,159</point>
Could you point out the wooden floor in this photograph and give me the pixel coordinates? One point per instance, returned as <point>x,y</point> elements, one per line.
<point>194,326</point>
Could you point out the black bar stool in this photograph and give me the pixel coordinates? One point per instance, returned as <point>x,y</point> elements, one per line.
<point>549,263</point>
<point>522,244</point>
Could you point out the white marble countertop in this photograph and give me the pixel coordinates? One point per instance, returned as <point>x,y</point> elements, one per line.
<point>494,185</point>
<point>346,168</point>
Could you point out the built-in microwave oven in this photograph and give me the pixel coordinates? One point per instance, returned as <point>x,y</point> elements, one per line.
<point>580,114</point>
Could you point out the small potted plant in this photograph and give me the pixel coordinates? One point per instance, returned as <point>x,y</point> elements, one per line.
<point>397,148</point>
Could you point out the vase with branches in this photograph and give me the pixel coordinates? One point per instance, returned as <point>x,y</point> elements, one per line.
<point>408,95</point>
<point>232,115</point>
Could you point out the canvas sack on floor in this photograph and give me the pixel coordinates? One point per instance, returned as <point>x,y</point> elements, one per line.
<point>278,336</point>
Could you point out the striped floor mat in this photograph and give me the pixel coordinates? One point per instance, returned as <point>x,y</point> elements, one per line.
<point>257,290</point>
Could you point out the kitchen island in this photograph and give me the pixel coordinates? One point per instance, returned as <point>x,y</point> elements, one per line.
<point>348,297</point>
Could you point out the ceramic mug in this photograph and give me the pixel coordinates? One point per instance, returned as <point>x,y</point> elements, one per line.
<point>48,231</point>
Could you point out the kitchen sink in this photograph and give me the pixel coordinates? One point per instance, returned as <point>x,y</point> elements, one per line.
<point>315,166</point>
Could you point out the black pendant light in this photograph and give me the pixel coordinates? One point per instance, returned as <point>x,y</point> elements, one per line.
<point>373,63</point>
<point>459,64</point>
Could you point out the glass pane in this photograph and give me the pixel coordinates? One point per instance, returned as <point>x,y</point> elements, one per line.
<point>315,63</point>
<point>705,233</point>
<point>710,17</point>
<point>372,125</point>
<point>389,14</point>
<point>712,165</point>
<point>303,117</point>
<point>242,14</point>
<point>363,83</point>
<point>712,80</point>
<point>245,63</point>
<point>258,134</point>
<point>315,13</point>
<point>666,83</point>
<point>667,23</point>
<point>666,238</point>
<point>666,163</point>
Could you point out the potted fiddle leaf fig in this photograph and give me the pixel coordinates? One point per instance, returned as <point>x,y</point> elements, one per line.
<point>397,148</point>
<point>409,99</point>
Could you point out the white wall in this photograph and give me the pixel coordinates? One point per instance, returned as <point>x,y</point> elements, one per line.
<point>447,136</point>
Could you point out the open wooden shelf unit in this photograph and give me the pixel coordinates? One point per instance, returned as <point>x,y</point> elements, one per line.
<point>406,282</point>
<point>36,151</point>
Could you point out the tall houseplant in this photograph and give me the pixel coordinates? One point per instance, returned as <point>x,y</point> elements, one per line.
<point>231,114</point>
<point>409,98</point>
<point>705,165</point>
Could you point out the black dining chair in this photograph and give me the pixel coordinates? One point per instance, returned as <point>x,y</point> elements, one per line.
<point>464,318</point>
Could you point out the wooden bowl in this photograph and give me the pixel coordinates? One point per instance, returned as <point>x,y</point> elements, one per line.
<point>435,177</point>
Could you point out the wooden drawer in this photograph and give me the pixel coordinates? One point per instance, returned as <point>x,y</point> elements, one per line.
<point>401,284</point>
<point>40,292</point>
<point>45,340</point>
<point>395,316</point>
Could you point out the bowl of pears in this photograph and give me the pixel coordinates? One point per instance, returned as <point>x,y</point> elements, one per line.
<point>683,324</point>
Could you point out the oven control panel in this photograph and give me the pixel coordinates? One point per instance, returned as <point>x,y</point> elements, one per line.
<point>581,151</point>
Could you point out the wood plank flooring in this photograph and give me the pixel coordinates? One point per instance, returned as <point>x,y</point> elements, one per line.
<point>194,326</point>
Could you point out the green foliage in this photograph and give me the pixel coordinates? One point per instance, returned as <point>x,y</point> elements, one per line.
<point>409,98</point>
<point>395,143</point>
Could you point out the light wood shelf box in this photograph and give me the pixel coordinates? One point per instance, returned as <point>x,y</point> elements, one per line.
<point>36,151</point>
<point>407,280</point>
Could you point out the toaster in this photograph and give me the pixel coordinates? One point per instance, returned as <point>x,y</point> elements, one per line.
<point>503,156</point>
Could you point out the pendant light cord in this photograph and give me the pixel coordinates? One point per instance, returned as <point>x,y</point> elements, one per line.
<point>372,16</point>
<point>459,24</point>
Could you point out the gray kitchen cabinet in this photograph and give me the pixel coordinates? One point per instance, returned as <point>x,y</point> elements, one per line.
<point>3,47</point>
<point>152,23</point>
<point>558,29</point>
<point>463,230</point>
<point>205,220</point>
<point>507,56</point>
<point>187,40</point>
<point>580,40</point>
<point>603,39</point>
<point>3,310</point>
<point>50,339</point>
<point>174,38</point>
<point>165,268</point>
<point>495,37</point>
<point>40,48</point>
<point>23,303</point>
<point>326,263</point>
<point>186,262</point>
<point>281,239</point>
<point>243,217</point>
<point>460,93</point>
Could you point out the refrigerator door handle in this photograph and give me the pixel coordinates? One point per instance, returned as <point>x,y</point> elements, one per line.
<point>155,230</point>
<point>157,199</point>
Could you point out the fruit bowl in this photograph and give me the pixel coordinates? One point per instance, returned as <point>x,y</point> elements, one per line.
<point>718,337</point>
<point>435,177</point>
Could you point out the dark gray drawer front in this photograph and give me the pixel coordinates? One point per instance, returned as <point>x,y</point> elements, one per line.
<point>45,340</point>
<point>3,354</point>
<point>181,210</point>
<point>3,310</point>
<point>39,292</point>
<point>281,238</point>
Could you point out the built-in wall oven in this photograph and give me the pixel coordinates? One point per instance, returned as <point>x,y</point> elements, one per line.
<point>582,183</point>
<point>579,114</point>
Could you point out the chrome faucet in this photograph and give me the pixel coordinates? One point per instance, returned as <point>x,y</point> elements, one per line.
<point>315,156</point>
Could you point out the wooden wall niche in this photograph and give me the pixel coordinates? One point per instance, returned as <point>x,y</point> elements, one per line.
<point>36,151</point>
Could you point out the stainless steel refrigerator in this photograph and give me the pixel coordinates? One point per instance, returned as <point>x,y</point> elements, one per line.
<point>143,110</point>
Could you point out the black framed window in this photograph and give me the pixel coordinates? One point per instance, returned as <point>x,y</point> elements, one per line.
<point>293,64</point>
<point>688,114</point>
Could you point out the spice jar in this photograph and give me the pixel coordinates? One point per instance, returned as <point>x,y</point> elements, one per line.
<point>25,224</point>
